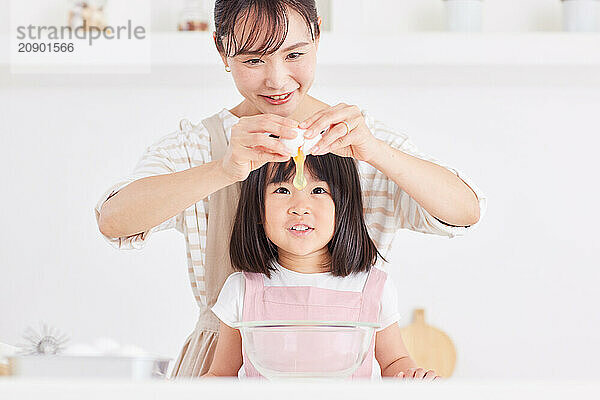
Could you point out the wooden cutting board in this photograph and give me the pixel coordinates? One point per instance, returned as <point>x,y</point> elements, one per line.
<point>428,346</point>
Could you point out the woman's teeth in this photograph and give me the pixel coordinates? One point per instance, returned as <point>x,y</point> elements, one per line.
<point>284,96</point>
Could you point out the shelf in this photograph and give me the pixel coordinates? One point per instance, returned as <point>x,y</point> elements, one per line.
<point>439,58</point>
<point>432,49</point>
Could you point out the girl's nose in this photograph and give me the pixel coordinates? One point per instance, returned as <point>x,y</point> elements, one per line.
<point>299,210</point>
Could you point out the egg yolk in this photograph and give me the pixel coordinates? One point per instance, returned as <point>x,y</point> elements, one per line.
<point>299,180</point>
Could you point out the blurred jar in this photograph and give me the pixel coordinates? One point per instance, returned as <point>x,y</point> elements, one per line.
<point>193,17</point>
<point>87,13</point>
<point>580,15</point>
<point>464,15</point>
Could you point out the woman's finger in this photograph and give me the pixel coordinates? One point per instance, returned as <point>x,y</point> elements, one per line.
<point>310,120</point>
<point>275,118</point>
<point>333,116</point>
<point>283,120</point>
<point>336,133</point>
<point>264,125</point>
<point>318,122</point>
<point>261,156</point>
<point>270,144</point>
<point>343,140</point>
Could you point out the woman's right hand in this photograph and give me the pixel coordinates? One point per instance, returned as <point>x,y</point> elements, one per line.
<point>250,146</point>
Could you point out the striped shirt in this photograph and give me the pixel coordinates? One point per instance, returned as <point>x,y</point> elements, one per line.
<point>387,207</point>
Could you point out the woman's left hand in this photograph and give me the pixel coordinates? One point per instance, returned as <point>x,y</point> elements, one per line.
<point>418,373</point>
<point>354,140</point>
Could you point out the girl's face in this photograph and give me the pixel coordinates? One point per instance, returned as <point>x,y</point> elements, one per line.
<point>289,211</point>
<point>289,71</point>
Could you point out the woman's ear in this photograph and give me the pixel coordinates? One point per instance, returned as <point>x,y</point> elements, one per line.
<point>320,22</point>
<point>222,56</point>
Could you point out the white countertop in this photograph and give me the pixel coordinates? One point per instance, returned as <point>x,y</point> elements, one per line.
<point>224,389</point>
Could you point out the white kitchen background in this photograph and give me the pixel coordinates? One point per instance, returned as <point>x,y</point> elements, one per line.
<point>519,296</point>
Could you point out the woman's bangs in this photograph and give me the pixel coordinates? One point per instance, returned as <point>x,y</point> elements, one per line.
<point>263,30</point>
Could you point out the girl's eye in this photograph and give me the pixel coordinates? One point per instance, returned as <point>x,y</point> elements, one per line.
<point>295,55</point>
<point>319,190</point>
<point>282,190</point>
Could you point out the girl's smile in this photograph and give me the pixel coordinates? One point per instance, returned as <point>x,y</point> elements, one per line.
<point>301,230</point>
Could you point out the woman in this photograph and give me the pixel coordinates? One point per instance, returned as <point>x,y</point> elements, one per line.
<point>270,49</point>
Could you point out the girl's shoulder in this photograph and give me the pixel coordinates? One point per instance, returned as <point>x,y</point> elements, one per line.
<point>234,282</point>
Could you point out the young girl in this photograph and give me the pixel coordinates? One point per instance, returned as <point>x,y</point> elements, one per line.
<point>306,254</point>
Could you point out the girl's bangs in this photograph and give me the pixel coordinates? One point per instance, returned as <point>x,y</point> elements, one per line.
<point>314,166</point>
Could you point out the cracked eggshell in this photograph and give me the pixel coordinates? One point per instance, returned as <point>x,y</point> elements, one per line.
<point>299,141</point>
<point>310,143</point>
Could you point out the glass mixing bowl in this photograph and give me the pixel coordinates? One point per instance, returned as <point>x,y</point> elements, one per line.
<point>306,349</point>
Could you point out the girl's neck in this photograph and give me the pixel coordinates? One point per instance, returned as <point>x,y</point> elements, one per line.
<point>314,263</point>
<point>307,108</point>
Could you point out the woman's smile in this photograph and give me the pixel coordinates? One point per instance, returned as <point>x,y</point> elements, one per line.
<point>278,99</point>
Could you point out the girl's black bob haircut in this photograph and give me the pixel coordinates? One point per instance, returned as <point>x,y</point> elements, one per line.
<point>265,20</point>
<point>351,248</point>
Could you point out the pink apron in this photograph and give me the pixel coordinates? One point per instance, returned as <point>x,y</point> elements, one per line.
<point>263,303</point>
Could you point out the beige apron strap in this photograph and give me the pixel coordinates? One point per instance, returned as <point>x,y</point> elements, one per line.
<point>222,206</point>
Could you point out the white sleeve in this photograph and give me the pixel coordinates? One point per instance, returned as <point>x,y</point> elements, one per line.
<point>409,214</point>
<point>155,161</point>
<point>230,303</point>
<point>388,312</point>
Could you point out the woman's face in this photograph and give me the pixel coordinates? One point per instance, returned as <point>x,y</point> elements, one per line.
<point>288,214</point>
<point>288,72</point>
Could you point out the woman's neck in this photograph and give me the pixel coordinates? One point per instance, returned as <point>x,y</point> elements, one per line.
<point>314,263</point>
<point>307,108</point>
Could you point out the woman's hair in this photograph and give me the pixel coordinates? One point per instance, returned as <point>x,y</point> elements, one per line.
<point>351,247</point>
<point>262,19</point>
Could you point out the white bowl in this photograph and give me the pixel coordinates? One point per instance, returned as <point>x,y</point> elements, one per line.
<point>306,349</point>
<point>100,367</point>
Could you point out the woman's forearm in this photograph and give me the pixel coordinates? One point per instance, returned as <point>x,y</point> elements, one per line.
<point>443,194</point>
<point>147,202</point>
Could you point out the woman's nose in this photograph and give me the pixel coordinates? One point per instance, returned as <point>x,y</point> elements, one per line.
<point>277,75</point>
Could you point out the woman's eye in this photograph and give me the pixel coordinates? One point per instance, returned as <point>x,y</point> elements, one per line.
<point>282,190</point>
<point>319,190</point>
<point>253,61</point>
<point>295,56</point>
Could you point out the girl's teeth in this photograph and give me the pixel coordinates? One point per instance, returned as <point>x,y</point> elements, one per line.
<point>300,228</point>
